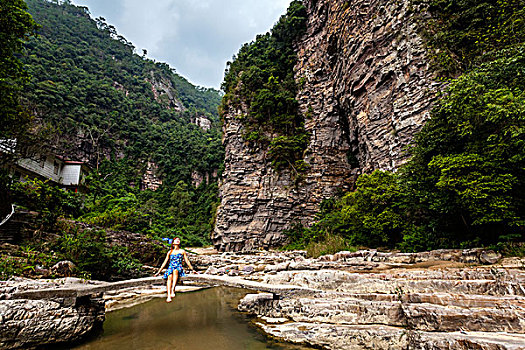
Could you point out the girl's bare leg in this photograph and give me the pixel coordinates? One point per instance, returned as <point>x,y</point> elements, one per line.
<point>168,287</point>
<point>175,279</point>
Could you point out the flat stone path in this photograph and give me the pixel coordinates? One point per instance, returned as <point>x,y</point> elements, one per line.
<point>80,289</point>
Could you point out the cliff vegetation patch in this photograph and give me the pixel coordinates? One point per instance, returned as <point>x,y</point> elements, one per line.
<point>461,34</point>
<point>261,78</point>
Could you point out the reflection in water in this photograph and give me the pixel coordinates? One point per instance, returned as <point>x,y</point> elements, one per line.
<point>200,320</point>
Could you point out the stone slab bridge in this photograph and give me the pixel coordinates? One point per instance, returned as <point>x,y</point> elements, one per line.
<point>75,291</point>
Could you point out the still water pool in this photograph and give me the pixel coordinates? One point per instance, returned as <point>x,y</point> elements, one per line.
<point>202,320</point>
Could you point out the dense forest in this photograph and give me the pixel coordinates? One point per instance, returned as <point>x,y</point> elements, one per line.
<point>87,95</point>
<point>464,182</point>
<point>87,80</point>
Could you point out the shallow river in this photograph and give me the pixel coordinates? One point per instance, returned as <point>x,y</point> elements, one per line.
<point>202,320</point>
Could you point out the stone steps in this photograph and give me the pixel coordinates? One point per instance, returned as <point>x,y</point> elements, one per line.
<point>19,227</point>
<point>10,231</point>
<point>341,281</point>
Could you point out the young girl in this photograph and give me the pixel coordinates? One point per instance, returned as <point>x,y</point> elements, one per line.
<point>174,271</point>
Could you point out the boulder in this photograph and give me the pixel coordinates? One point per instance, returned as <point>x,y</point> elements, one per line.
<point>63,268</point>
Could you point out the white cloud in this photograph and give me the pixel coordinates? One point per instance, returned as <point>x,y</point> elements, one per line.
<point>197,38</point>
<point>146,24</point>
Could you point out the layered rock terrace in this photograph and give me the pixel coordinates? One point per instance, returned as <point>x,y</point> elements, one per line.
<point>445,299</point>
<point>395,305</point>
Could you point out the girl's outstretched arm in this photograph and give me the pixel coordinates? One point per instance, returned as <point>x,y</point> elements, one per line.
<point>187,261</point>
<point>163,264</point>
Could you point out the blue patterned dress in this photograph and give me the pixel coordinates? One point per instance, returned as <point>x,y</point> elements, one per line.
<point>175,264</point>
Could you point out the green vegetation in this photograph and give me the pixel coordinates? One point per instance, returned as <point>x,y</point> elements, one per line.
<point>97,97</point>
<point>463,185</point>
<point>81,86</point>
<point>178,211</point>
<point>16,26</point>
<point>331,244</point>
<point>87,249</point>
<point>374,215</point>
<point>462,34</point>
<point>48,200</point>
<point>59,238</point>
<point>92,256</point>
<point>467,171</point>
<point>261,77</point>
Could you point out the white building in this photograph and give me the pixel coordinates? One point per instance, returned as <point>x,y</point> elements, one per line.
<point>65,173</point>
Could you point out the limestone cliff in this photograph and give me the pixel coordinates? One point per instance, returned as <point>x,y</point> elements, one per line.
<point>365,90</point>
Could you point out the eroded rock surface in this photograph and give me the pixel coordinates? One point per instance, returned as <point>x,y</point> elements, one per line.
<point>36,313</point>
<point>33,323</point>
<point>445,299</point>
<point>243,263</point>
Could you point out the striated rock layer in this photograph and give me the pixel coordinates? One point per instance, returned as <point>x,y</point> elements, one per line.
<point>408,306</point>
<point>365,90</point>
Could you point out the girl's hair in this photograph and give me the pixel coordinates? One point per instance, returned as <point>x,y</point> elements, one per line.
<point>173,243</point>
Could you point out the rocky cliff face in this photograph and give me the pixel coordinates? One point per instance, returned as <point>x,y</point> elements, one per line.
<point>165,92</point>
<point>365,90</point>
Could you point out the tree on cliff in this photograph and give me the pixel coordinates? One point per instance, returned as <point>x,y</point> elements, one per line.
<point>466,178</point>
<point>262,77</point>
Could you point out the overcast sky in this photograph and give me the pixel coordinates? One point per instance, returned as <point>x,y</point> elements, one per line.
<point>196,37</point>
